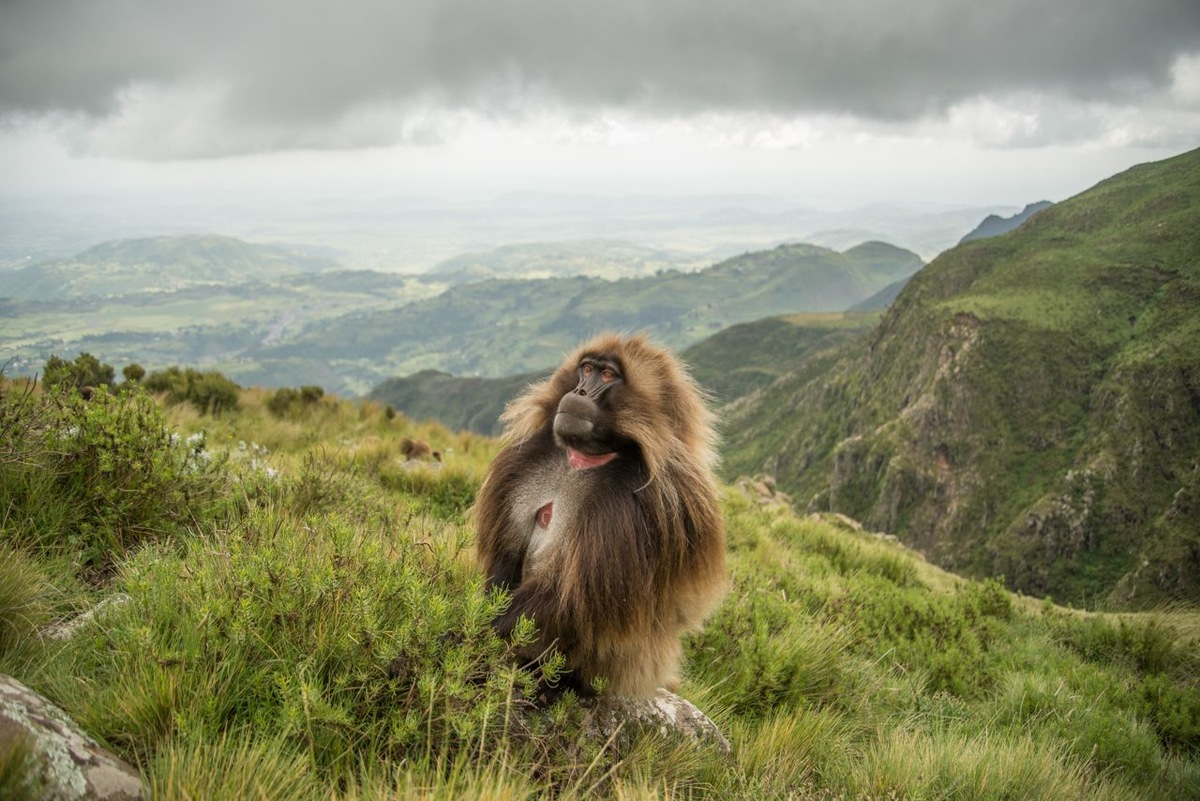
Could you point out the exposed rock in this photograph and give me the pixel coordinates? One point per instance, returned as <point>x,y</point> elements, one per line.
<point>762,490</point>
<point>666,712</point>
<point>837,518</point>
<point>67,629</point>
<point>65,764</point>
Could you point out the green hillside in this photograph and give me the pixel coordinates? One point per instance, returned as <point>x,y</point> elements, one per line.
<point>749,356</point>
<point>498,328</point>
<point>1028,407</point>
<point>460,404</point>
<point>288,611</point>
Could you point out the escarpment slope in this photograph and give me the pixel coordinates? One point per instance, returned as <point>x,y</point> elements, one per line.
<point>1029,406</point>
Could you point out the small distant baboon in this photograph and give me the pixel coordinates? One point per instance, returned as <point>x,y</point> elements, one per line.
<point>418,449</point>
<point>600,515</point>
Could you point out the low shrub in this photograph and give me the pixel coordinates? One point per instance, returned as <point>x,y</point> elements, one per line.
<point>1174,711</point>
<point>85,371</point>
<point>288,402</point>
<point>209,391</point>
<point>97,477</point>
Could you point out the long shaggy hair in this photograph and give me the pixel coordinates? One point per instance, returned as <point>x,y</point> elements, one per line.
<point>634,553</point>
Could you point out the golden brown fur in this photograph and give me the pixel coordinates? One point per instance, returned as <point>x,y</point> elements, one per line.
<point>415,449</point>
<point>633,554</point>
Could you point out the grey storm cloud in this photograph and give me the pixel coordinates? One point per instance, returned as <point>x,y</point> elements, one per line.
<point>302,65</point>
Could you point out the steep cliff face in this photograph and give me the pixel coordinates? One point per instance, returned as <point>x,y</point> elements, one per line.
<point>1029,406</point>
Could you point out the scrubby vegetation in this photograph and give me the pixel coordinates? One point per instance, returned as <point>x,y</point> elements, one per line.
<point>304,621</point>
<point>85,371</point>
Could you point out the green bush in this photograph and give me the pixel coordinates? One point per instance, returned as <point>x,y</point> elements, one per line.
<point>210,391</point>
<point>1148,644</point>
<point>946,637</point>
<point>289,402</point>
<point>764,658</point>
<point>320,484</point>
<point>85,371</point>
<point>94,478</point>
<point>1174,710</point>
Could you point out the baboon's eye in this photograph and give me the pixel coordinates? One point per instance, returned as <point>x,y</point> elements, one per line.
<point>587,369</point>
<point>607,375</point>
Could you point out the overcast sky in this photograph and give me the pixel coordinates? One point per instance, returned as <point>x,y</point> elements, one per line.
<point>853,101</point>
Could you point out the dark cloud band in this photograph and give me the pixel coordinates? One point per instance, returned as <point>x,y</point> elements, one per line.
<point>306,64</point>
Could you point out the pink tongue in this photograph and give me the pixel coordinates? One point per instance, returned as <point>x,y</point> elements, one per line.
<point>581,461</point>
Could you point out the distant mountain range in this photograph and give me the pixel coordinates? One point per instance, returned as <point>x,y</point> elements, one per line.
<point>460,404</point>
<point>1029,406</point>
<point>994,225</point>
<point>273,315</point>
<point>411,234</point>
<point>598,258</point>
<point>191,300</point>
<point>158,264</point>
<point>503,327</point>
<point>730,364</point>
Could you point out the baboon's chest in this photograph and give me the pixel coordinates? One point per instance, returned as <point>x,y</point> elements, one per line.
<point>546,509</point>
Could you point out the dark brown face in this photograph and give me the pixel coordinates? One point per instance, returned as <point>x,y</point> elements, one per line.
<point>584,418</point>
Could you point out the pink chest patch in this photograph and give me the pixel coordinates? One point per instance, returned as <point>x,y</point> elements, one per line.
<point>545,515</point>
<point>582,461</point>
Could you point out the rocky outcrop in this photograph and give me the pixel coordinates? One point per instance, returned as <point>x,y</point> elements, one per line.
<point>61,762</point>
<point>68,628</point>
<point>666,713</point>
<point>762,490</point>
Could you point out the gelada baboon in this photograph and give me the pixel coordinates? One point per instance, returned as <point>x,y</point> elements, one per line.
<point>418,449</point>
<point>600,515</point>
